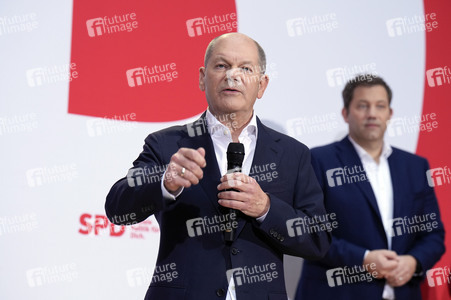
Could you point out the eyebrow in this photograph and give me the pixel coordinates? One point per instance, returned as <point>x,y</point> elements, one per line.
<point>221,57</point>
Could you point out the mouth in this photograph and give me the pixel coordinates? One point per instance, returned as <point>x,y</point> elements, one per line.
<point>231,90</point>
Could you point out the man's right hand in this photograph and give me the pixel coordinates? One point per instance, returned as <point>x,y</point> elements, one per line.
<point>185,169</point>
<point>384,260</point>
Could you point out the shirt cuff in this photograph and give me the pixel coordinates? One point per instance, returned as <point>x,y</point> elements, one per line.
<point>364,255</point>
<point>262,218</point>
<point>168,195</point>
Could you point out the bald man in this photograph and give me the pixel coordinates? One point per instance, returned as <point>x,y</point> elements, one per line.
<point>223,234</point>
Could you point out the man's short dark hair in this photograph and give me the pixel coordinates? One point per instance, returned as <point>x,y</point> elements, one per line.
<point>261,54</point>
<point>365,80</point>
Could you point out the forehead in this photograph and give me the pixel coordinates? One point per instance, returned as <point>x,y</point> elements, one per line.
<point>370,93</point>
<point>236,49</point>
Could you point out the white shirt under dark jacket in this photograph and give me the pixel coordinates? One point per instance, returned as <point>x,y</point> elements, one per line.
<point>221,137</point>
<point>380,180</point>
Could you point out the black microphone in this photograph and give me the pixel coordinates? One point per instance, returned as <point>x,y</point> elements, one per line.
<point>235,157</point>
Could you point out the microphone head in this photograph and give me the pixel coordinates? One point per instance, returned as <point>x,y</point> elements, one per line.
<point>235,156</point>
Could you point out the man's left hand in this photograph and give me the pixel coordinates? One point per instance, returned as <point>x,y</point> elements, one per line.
<point>250,199</point>
<point>403,272</point>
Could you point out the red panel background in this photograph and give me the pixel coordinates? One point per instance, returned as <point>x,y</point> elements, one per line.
<point>436,145</point>
<point>161,37</point>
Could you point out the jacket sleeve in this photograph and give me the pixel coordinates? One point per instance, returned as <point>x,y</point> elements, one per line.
<point>135,197</point>
<point>306,204</point>
<point>341,251</point>
<point>429,245</point>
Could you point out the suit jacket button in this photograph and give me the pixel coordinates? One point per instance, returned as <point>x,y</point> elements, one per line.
<point>282,238</point>
<point>220,292</point>
<point>235,251</point>
<point>271,231</point>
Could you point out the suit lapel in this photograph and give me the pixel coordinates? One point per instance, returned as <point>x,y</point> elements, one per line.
<point>212,175</point>
<point>349,157</point>
<point>397,184</point>
<point>266,151</point>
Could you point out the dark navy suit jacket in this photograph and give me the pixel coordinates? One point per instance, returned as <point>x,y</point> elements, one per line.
<point>203,260</point>
<point>360,225</point>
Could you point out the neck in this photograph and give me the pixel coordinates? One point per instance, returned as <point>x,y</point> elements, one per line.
<point>235,121</point>
<point>374,148</point>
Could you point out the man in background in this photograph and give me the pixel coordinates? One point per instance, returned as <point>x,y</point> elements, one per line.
<point>196,202</point>
<point>389,231</point>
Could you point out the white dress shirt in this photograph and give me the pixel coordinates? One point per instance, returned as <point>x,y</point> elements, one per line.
<point>221,137</point>
<point>379,177</point>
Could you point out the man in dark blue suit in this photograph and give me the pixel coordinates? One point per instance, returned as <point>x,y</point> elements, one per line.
<point>192,203</point>
<point>389,229</point>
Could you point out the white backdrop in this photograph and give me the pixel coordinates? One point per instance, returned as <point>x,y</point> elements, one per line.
<point>56,168</point>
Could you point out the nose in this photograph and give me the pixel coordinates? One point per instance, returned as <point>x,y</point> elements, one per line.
<point>234,77</point>
<point>372,111</point>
